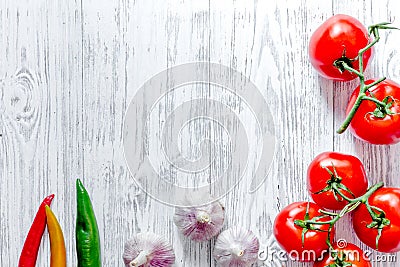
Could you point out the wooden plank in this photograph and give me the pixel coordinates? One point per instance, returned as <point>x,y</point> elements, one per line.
<point>268,43</point>
<point>125,44</point>
<point>41,112</point>
<point>70,69</point>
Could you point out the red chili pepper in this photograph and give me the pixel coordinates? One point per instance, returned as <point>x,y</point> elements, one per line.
<point>32,243</point>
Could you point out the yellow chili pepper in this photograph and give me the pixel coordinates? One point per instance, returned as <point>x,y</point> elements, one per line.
<point>57,245</point>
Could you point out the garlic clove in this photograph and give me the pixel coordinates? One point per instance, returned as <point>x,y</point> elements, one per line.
<point>236,247</point>
<point>148,249</point>
<point>200,223</point>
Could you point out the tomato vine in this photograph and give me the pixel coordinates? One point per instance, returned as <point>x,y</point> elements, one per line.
<point>383,107</point>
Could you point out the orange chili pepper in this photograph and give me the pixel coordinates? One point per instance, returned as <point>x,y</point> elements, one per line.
<point>57,246</point>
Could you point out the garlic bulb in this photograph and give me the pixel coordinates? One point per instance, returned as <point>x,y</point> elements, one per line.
<point>148,250</point>
<point>200,223</point>
<point>236,247</point>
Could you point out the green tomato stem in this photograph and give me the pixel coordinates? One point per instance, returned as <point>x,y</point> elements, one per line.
<point>309,223</point>
<point>369,86</point>
<point>379,103</point>
<point>370,191</point>
<point>360,73</point>
<point>339,192</point>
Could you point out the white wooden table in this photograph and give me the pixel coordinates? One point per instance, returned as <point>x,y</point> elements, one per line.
<point>70,68</point>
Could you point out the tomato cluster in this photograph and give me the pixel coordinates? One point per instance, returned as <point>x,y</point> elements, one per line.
<point>338,181</point>
<point>340,49</point>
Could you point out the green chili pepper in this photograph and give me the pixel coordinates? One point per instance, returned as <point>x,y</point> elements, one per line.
<point>87,232</point>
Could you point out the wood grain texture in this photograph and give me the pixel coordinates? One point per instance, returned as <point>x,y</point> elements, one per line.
<point>70,68</point>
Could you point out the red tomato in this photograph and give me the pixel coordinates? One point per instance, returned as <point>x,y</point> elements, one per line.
<point>289,235</point>
<point>387,199</point>
<point>348,168</point>
<point>349,254</point>
<point>339,37</point>
<point>374,130</point>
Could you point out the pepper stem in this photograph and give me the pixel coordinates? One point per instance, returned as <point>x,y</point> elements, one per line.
<point>203,217</point>
<point>140,260</point>
<point>237,251</point>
